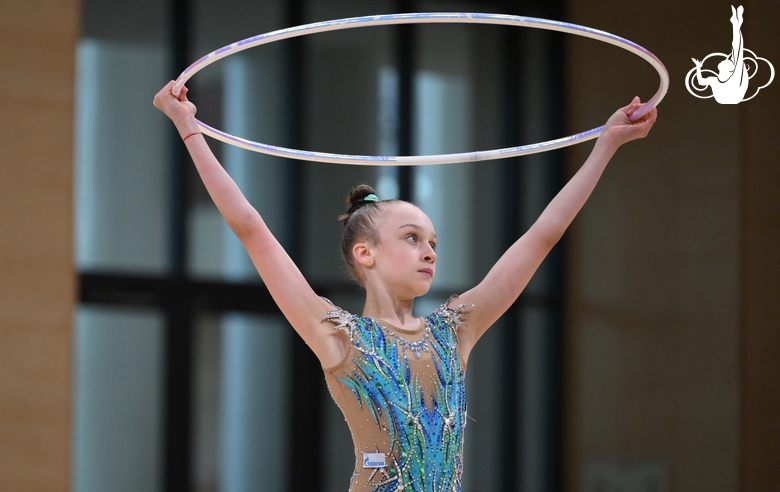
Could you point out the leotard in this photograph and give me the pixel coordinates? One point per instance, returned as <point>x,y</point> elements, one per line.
<point>402,395</point>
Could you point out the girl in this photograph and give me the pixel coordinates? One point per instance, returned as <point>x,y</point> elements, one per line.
<point>397,379</point>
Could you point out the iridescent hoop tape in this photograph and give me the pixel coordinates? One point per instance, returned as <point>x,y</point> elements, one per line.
<point>422,18</point>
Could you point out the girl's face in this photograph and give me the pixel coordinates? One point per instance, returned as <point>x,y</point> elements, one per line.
<point>405,257</point>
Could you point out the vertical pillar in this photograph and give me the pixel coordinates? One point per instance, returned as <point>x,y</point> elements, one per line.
<point>540,320</point>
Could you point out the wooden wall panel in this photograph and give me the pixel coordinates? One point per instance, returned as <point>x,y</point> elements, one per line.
<point>653,329</point>
<point>760,463</point>
<point>37,282</point>
<point>674,305</point>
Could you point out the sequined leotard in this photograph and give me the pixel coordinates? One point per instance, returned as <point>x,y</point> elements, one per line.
<point>402,395</point>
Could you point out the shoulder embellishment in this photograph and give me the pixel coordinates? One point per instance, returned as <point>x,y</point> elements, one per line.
<point>342,319</point>
<point>454,317</point>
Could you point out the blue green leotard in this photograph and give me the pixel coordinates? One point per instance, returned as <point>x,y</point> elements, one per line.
<point>402,394</point>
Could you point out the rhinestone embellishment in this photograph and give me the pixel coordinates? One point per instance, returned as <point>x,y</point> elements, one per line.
<point>414,347</point>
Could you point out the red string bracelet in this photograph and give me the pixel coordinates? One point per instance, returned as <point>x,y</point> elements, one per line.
<point>188,136</point>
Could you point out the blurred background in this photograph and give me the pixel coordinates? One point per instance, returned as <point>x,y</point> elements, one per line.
<point>140,351</point>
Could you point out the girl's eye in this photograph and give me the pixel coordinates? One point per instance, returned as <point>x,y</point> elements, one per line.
<point>412,238</point>
<point>433,246</point>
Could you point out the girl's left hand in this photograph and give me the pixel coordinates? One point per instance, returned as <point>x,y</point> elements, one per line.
<point>619,129</point>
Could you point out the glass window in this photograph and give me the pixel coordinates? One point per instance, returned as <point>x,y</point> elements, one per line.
<point>122,185</point>
<point>241,411</point>
<point>118,391</point>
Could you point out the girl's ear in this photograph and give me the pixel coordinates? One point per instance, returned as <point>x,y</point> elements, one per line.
<point>363,254</point>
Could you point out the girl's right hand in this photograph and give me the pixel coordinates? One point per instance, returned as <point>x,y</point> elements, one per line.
<point>179,109</point>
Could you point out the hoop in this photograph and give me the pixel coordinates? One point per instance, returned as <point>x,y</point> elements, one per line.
<point>422,18</point>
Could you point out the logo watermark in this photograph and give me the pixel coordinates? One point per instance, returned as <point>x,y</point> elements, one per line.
<point>735,70</point>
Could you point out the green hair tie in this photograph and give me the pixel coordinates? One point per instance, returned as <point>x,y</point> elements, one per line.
<point>371,198</point>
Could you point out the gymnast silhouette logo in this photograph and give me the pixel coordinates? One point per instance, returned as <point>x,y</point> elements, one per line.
<point>735,70</point>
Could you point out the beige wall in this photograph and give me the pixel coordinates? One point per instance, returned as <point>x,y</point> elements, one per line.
<point>37,285</point>
<point>662,298</point>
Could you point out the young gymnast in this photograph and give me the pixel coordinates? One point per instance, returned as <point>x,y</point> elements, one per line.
<point>399,380</point>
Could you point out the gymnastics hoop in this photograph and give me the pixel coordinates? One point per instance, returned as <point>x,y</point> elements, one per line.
<point>422,18</point>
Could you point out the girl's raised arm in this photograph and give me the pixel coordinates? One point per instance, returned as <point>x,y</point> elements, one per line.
<point>298,302</point>
<point>509,276</point>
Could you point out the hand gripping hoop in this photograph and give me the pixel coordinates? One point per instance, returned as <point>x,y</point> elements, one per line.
<point>422,18</point>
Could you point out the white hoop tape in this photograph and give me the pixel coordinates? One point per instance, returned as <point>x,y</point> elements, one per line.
<point>422,18</point>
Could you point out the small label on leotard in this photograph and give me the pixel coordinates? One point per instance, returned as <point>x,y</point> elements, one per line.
<point>373,460</point>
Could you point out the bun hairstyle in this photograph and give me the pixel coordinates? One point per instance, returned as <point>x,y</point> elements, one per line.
<point>363,209</point>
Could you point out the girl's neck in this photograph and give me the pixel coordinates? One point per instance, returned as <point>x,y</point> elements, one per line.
<point>391,309</point>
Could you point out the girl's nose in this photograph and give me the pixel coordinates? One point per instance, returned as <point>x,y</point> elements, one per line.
<point>430,255</point>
